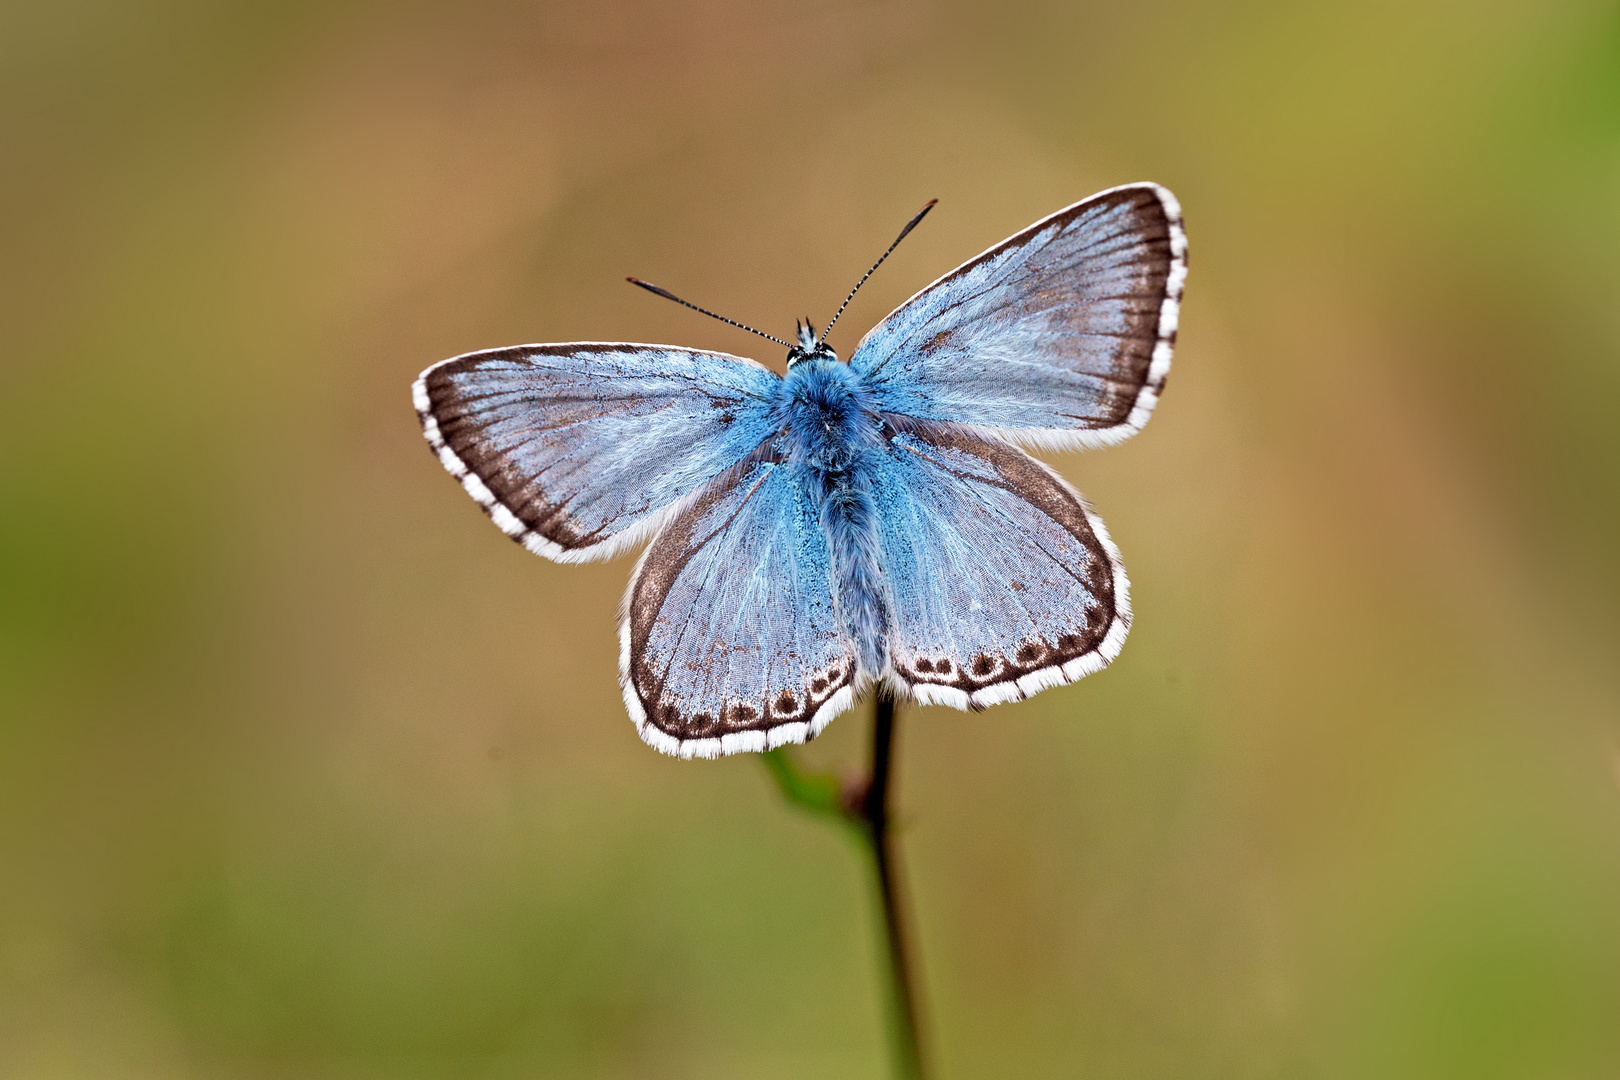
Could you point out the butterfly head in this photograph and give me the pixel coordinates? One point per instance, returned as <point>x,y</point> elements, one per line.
<point>809,348</point>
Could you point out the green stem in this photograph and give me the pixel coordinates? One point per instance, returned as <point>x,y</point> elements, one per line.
<point>865,808</point>
<point>885,856</point>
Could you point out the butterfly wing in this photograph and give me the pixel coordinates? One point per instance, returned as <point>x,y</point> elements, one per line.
<point>728,636</point>
<point>1002,580</point>
<point>1059,336</point>
<point>575,449</point>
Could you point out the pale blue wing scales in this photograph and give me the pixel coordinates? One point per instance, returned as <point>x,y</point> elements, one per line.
<point>1002,581</point>
<point>1060,336</point>
<point>575,449</point>
<point>728,636</point>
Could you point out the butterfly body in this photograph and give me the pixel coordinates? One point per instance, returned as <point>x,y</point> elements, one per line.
<point>831,438</point>
<point>843,524</point>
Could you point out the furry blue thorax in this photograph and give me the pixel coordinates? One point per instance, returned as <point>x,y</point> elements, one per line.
<point>828,417</point>
<point>831,436</point>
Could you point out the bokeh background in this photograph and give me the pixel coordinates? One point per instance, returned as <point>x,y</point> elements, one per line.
<point>307,772</point>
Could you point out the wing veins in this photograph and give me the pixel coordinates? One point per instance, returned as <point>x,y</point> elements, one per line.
<point>725,527</point>
<point>1024,252</point>
<point>685,377</point>
<point>1009,489</point>
<point>927,324</point>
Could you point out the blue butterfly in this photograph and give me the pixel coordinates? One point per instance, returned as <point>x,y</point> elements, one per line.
<point>847,524</point>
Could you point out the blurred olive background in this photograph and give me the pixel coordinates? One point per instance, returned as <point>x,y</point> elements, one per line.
<point>306,771</point>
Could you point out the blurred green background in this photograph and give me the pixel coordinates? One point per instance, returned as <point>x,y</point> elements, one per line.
<point>307,772</point>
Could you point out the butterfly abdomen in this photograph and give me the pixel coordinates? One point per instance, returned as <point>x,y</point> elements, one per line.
<point>849,519</point>
<point>832,436</point>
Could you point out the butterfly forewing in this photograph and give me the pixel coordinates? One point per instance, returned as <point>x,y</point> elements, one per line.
<point>1002,581</point>
<point>729,639</point>
<point>1059,336</point>
<point>573,449</point>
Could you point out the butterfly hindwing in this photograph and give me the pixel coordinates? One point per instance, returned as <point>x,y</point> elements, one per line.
<point>728,637</point>
<point>574,449</point>
<point>1059,336</point>
<point>1002,581</point>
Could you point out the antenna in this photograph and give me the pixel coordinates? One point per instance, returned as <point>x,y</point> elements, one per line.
<point>667,295</point>
<point>912,224</point>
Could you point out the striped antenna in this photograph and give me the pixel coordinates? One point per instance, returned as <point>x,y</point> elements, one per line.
<point>912,224</point>
<point>667,295</point>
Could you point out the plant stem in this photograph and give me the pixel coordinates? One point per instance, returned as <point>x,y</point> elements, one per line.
<point>863,807</point>
<point>875,810</point>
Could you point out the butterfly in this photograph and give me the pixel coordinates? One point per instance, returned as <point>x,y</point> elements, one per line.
<point>869,523</point>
